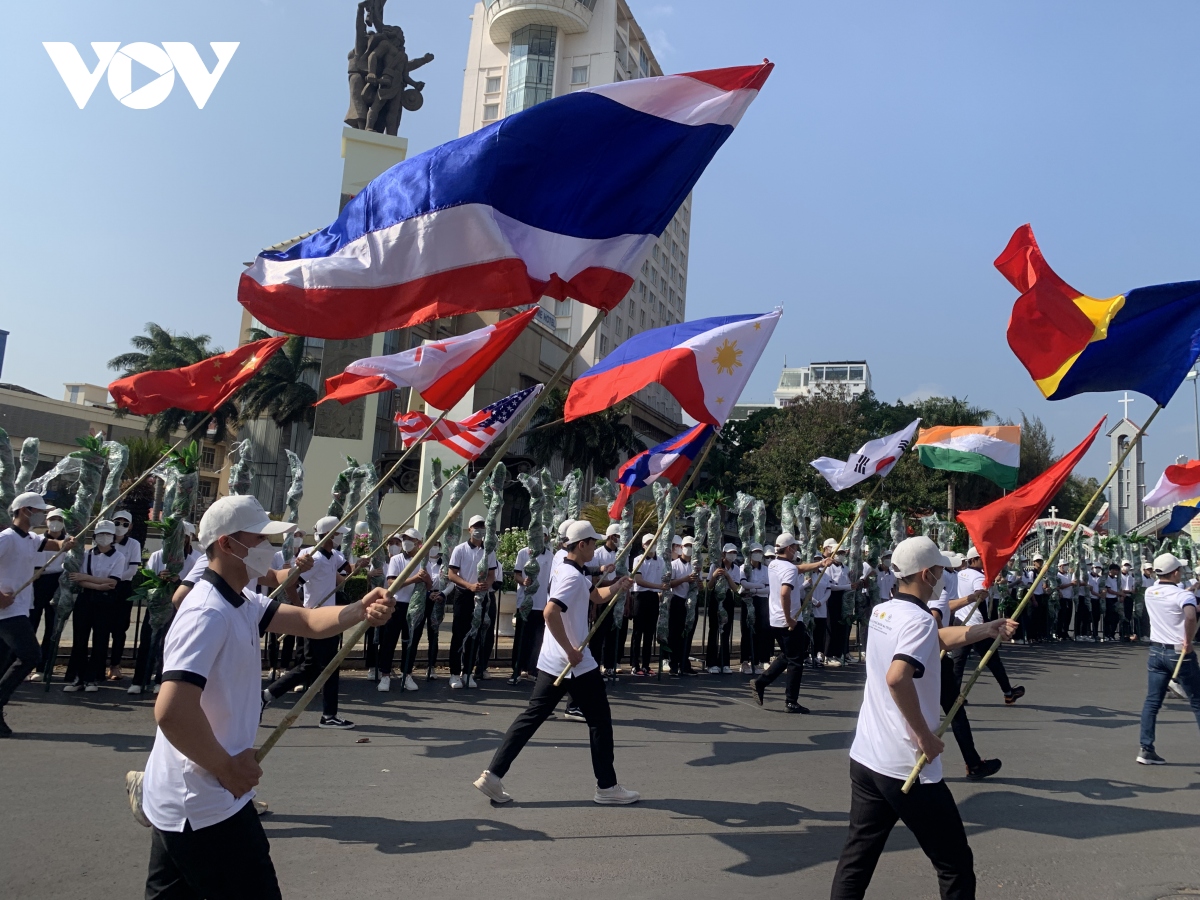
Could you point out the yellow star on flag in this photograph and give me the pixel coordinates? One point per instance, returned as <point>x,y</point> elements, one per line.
<point>728,357</point>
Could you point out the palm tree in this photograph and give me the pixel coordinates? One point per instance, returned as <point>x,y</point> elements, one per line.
<point>280,389</point>
<point>597,443</point>
<point>144,452</point>
<point>160,349</point>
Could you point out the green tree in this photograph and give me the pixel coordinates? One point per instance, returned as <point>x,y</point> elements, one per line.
<point>597,443</point>
<point>144,453</point>
<point>281,388</point>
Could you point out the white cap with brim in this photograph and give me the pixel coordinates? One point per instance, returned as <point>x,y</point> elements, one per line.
<point>28,500</point>
<point>55,513</point>
<point>123,514</point>
<point>647,540</point>
<point>476,520</point>
<point>413,534</point>
<point>688,541</point>
<point>105,526</point>
<point>830,544</point>
<point>971,553</point>
<point>729,548</point>
<point>231,515</point>
<point>755,548</point>
<point>916,554</point>
<point>956,560</point>
<point>582,530</point>
<point>612,530</point>
<point>324,525</point>
<point>676,539</point>
<point>189,529</point>
<point>1166,563</point>
<point>787,539</point>
<point>562,528</point>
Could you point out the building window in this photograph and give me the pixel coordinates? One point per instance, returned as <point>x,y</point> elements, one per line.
<point>642,287</point>
<point>74,392</point>
<point>208,458</point>
<point>530,67</point>
<point>493,85</point>
<point>643,62</point>
<point>491,111</point>
<point>562,307</point>
<point>654,253</point>
<point>579,75</point>
<point>856,374</point>
<point>629,333</point>
<point>603,344</point>
<point>642,320</point>
<point>620,327</point>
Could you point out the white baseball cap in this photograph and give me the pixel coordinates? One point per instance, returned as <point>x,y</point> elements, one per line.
<point>729,548</point>
<point>1166,563</point>
<point>413,534</point>
<point>582,530</point>
<point>324,525</point>
<point>240,512</point>
<point>755,547</point>
<point>54,513</point>
<point>676,539</point>
<point>830,544</point>
<point>956,560</point>
<point>916,554</point>
<point>647,540</point>
<point>612,529</point>
<point>886,554</point>
<point>105,526</point>
<point>123,514</point>
<point>476,520</point>
<point>30,500</point>
<point>562,528</point>
<point>1126,562</point>
<point>189,529</point>
<point>688,541</point>
<point>972,553</point>
<point>787,539</point>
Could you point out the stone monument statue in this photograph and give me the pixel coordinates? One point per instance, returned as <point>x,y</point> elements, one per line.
<point>381,86</point>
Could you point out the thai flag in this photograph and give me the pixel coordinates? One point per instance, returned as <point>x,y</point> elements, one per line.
<point>704,364</point>
<point>472,435</point>
<point>562,199</point>
<point>670,460</point>
<point>1177,484</point>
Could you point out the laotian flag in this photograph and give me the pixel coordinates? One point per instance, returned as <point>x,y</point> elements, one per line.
<point>564,199</point>
<point>670,460</point>
<point>1177,484</point>
<point>704,364</point>
<point>440,371</point>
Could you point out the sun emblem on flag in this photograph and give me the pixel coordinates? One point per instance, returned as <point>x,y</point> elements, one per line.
<point>728,357</point>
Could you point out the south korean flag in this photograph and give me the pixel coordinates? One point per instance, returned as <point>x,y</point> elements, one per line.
<point>876,457</point>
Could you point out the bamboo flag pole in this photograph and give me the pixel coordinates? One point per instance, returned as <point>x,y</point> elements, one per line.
<point>967,618</point>
<point>515,431</point>
<point>661,525</point>
<point>857,515</point>
<point>1047,565</point>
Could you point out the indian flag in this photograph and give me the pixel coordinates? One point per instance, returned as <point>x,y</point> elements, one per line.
<point>993,451</point>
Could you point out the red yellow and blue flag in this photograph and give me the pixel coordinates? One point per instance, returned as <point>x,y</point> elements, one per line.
<point>1144,340</point>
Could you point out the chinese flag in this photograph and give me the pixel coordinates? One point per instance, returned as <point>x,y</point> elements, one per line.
<point>998,529</point>
<point>201,387</point>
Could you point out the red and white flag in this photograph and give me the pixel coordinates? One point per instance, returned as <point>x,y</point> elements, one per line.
<point>472,435</point>
<point>441,371</point>
<point>876,457</point>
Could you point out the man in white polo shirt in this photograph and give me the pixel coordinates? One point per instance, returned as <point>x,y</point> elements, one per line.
<point>571,595</point>
<point>121,602</point>
<point>200,778</point>
<point>20,552</point>
<point>463,573</point>
<point>896,724</point>
<point>1172,611</point>
<point>971,587</point>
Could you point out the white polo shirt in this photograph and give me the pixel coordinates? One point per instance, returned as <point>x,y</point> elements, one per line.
<point>1027,579</point>
<point>604,557</point>
<point>886,581</point>
<point>132,551</point>
<point>45,557</point>
<point>735,573</point>
<point>158,565</point>
<point>104,565</point>
<point>757,584</point>
<point>1065,589</point>
<point>650,571</point>
<point>570,591</point>
<point>466,559</point>
<point>1164,604</point>
<point>192,575</point>
<point>559,556</point>
<point>899,629</point>
<point>545,561</point>
<point>941,599</point>
<point>779,573</point>
<point>970,581</point>
<point>680,569</point>
<point>1128,585</point>
<point>213,643</point>
<point>20,552</point>
<point>395,566</point>
<point>320,582</point>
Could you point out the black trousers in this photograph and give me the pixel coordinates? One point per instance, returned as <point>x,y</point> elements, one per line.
<point>428,622</point>
<point>1111,618</point>
<point>19,642</point>
<point>462,604</point>
<point>1127,624</point>
<point>837,643</point>
<point>396,630</point>
<point>995,665</point>
<point>43,592</point>
<point>317,654</point>
<point>230,860</point>
<point>120,615</point>
<point>89,627</point>
<point>676,619</point>
<point>1083,617</point>
<point>820,636</point>
<point>764,641</point>
<point>1039,617</point>
<point>794,644</point>
<point>281,648</point>
<point>1065,605</point>
<point>527,641</point>
<point>959,724</point>
<point>588,695</point>
<point>645,628</point>
<point>929,812</point>
<point>486,639</point>
<point>1097,615</point>
<point>718,652</point>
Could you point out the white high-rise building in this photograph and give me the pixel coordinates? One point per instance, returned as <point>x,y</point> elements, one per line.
<point>525,51</point>
<point>850,376</point>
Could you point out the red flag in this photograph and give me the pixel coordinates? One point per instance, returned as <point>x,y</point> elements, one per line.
<point>998,529</point>
<point>201,387</point>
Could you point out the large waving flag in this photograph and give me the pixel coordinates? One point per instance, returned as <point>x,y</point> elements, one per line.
<point>704,364</point>
<point>999,528</point>
<point>562,199</point>
<point>670,460</point>
<point>440,371</point>
<point>993,451</point>
<point>1177,484</point>
<point>877,457</point>
<point>472,435</point>
<point>1182,515</point>
<point>200,387</point>
<point>1144,340</point>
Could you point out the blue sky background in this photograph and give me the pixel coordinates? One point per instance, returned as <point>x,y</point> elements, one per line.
<point>868,190</point>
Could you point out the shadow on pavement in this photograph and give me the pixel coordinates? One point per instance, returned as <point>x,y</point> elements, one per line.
<point>396,836</point>
<point>121,743</point>
<point>725,753</point>
<point>1092,788</point>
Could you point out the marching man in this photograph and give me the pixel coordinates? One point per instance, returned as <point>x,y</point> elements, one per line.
<point>207,840</point>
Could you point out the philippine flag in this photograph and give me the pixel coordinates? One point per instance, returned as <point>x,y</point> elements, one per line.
<point>1177,484</point>
<point>704,364</point>
<point>563,199</point>
<point>670,460</point>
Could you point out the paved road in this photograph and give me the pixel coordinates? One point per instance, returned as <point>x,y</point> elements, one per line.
<point>738,801</point>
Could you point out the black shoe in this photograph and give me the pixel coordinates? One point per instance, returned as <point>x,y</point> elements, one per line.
<point>1017,693</point>
<point>758,691</point>
<point>574,714</point>
<point>515,680</point>
<point>985,768</point>
<point>1150,758</point>
<point>797,708</point>
<point>335,722</point>
<point>5,731</point>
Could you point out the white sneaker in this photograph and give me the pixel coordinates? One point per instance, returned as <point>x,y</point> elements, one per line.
<point>299,689</point>
<point>90,688</point>
<point>36,676</point>
<point>133,789</point>
<point>1177,689</point>
<point>74,686</point>
<point>267,698</point>
<point>484,675</point>
<point>760,669</point>
<point>747,669</point>
<point>409,684</point>
<point>373,674</point>
<point>714,670</point>
<point>666,666</point>
<point>455,682</point>
<point>156,687</point>
<point>833,662</point>
<point>726,671</point>
<point>385,684</point>
<point>820,658</point>
<point>134,690</point>
<point>616,796</point>
<point>492,787</point>
<point>471,682</point>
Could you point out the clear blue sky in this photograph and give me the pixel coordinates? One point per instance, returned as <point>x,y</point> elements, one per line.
<point>883,168</point>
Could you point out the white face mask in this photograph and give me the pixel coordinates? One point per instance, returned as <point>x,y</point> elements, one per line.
<point>258,558</point>
<point>730,557</point>
<point>54,526</point>
<point>435,550</point>
<point>408,546</point>
<point>37,518</point>
<point>756,556</point>
<point>298,541</point>
<point>393,550</point>
<point>103,540</point>
<point>477,534</point>
<point>337,542</point>
<point>840,559</point>
<point>122,530</point>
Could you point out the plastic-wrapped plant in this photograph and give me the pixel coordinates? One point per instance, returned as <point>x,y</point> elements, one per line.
<point>8,479</point>
<point>117,455</point>
<point>663,501</point>
<point>622,564</point>
<point>810,509</point>
<point>291,504</point>
<point>857,608</point>
<point>241,472</point>
<point>575,494</point>
<point>341,489</point>
<point>493,498</point>
<point>701,516</point>
<point>537,542</point>
<point>29,461</point>
<point>787,516</point>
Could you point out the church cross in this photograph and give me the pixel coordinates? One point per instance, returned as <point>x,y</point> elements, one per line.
<point>1126,400</point>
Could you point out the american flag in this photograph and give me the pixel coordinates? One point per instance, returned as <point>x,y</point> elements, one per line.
<point>472,435</point>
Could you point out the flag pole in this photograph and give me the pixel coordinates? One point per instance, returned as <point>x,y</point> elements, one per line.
<point>516,430</point>
<point>922,760</point>
<point>857,515</point>
<point>661,525</point>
